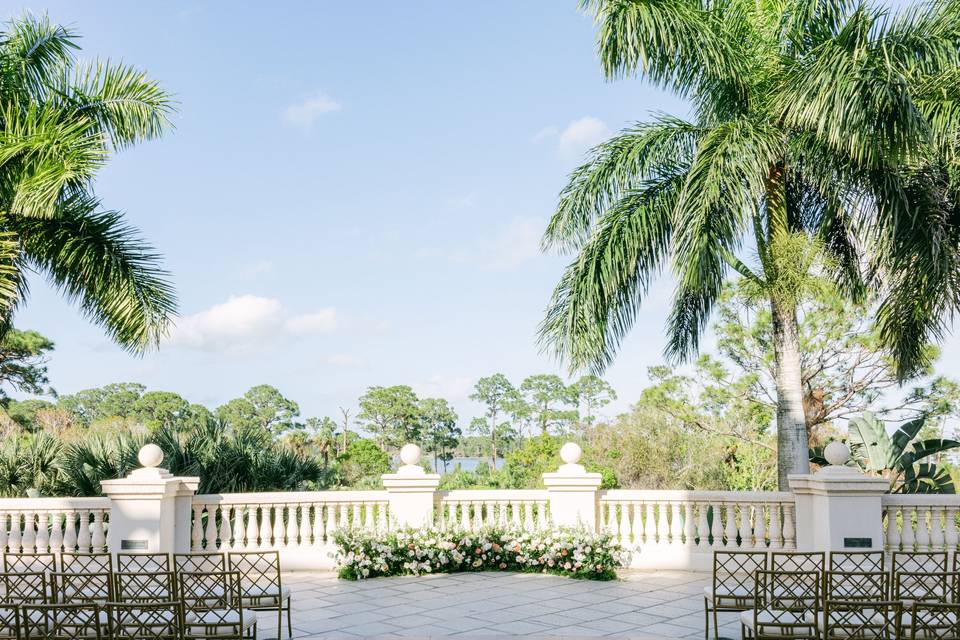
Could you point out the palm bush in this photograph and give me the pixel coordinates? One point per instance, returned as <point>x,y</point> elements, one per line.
<point>903,458</point>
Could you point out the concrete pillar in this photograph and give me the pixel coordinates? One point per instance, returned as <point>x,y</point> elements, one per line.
<point>838,508</point>
<point>150,508</point>
<point>411,490</point>
<point>573,491</point>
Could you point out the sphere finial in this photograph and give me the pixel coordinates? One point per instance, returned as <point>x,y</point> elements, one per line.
<point>410,454</point>
<point>570,453</point>
<point>150,456</point>
<point>836,453</point>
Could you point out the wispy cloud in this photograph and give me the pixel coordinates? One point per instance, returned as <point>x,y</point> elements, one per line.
<point>246,323</point>
<point>575,138</point>
<point>304,113</point>
<point>347,361</point>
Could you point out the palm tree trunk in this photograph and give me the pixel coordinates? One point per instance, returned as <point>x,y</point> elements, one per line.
<point>792,447</point>
<point>493,442</point>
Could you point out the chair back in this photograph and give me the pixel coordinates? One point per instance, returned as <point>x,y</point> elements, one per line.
<point>156,586</point>
<point>62,621</point>
<point>201,591</point>
<point>786,604</point>
<point>856,585</point>
<point>25,588</point>
<point>792,561</point>
<point>30,562</point>
<point>142,562</point>
<point>83,587</point>
<point>856,561</point>
<point>86,563</point>
<point>935,620</point>
<point>202,562</point>
<point>925,586</point>
<point>259,571</point>
<point>145,620</point>
<point>917,561</point>
<point>851,619</point>
<point>733,577</point>
<point>9,622</point>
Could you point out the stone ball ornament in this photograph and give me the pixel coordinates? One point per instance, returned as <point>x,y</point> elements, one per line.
<point>570,453</point>
<point>836,453</point>
<point>410,454</point>
<point>150,456</point>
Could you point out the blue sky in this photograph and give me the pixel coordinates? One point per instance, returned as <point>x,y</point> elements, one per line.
<point>353,194</point>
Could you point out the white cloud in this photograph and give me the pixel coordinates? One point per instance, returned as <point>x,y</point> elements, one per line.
<point>580,135</point>
<point>453,388</point>
<point>322,321</point>
<point>546,133</point>
<point>303,114</point>
<point>347,361</point>
<point>246,322</point>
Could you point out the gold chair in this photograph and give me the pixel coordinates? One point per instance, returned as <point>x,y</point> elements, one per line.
<point>261,588</point>
<point>30,562</point>
<point>200,562</point>
<point>62,621</point>
<point>857,586</point>
<point>86,563</point>
<point>79,588</point>
<point>786,606</point>
<point>25,588</point>
<point>145,620</point>
<point>156,586</point>
<point>732,585</point>
<point>9,622</point>
<point>935,620</point>
<point>211,607</point>
<point>877,620</point>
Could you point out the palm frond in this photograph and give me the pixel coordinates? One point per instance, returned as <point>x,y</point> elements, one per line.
<point>94,258</point>
<point>34,53</point>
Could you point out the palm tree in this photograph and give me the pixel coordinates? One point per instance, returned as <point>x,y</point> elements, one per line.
<point>822,144</point>
<point>59,122</point>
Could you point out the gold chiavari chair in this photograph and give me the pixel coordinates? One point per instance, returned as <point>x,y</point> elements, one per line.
<point>211,607</point>
<point>83,587</point>
<point>25,588</point>
<point>261,586</point>
<point>10,624</point>
<point>877,620</point>
<point>145,620</point>
<point>62,621</point>
<point>156,586</point>
<point>934,620</point>
<point>786,606</point>
<point>732,585</point>
<point>201,562</point>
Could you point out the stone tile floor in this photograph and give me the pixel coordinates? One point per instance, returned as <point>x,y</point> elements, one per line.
<point>642,604</point>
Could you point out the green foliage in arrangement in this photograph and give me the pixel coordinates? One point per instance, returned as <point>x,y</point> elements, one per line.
<point>568,552</point>
<point>904,457</point>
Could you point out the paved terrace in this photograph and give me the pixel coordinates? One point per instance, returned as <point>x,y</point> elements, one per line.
<point>643,604</point>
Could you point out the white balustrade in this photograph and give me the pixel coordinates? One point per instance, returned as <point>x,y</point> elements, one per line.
<point>921,522</point>
<point>704,519</point>
<point>282,520</point>
<point>474,509</point>
<point>39,525</point>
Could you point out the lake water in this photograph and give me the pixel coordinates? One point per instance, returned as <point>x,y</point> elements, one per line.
<point>466,464</point>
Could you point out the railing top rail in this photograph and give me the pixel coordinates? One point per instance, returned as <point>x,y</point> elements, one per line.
<point>673,495</point>
<point>927,500</point>
<point>494,494</point>
<point>53,504</point>
<point>290,497</point>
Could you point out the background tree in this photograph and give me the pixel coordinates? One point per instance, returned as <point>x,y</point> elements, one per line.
<point>23,362</point>
<point>440,432</point>
<point>158,409</point>
<point>496,393</point>
<point>546,394</point>
<point>391,415</point>
<point>588,394</point>
<point>345,430</point>
<point>262,408</point>
<point>323,434</point>
<point>818,130</point>
<point>59,122</point>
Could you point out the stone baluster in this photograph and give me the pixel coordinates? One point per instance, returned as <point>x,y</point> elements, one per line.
<point>210,531</point>
<point>502,513</point>
<point>278,531</point>
<point>293,530</point>
<point>528,522</point>
<point>355,513</point>
<point>936,529</point>
<point>491,513</point>
<point>745,530</point>
<point>383,521</point>
<point>83,532</point>
<point>923,533</point>
<point>624,529</point>
<point>29,537</point>
<point>330,523</point>
<point>607,515</point>
<point>649,524</point>
<point>703,525</point>
<point>369,517</point>
<point>477,515</point>
<point>760,526</point>
<point>43,533</point>
<point>226,528</point>
<point>730,531</point>
<point>789,527</point>
<point>676,524</point>
<point>252,528</point>
<point>516,515</point>
<point>716,526</point>
<point>663,523</point>
<point>543,519</point>
<point>98,537</point>
<point>950,538</point>
<point>13,541</point>
<point>893,529</point>
<point>343,515</point>
<point>776,527</point>
<point>636,523</point>
<point>56,531</point>
<point>196,531</point>
<point>906,532</point>
<point>4,535</point>
<point>265,534</point>
<point>239,527</point>
<point>70,532</point>
<point>316,524</point>
<point>689,525</point>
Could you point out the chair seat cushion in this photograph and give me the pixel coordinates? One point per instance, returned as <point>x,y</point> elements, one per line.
<point>222,622</point>
<point>740,598</point>
<point>265,596</point>
<point>774,622</point>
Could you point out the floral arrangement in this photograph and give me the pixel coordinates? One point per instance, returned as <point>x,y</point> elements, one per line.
<point>569,552</point>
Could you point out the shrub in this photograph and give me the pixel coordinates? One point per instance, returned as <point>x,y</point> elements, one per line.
<point>569,552</point>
